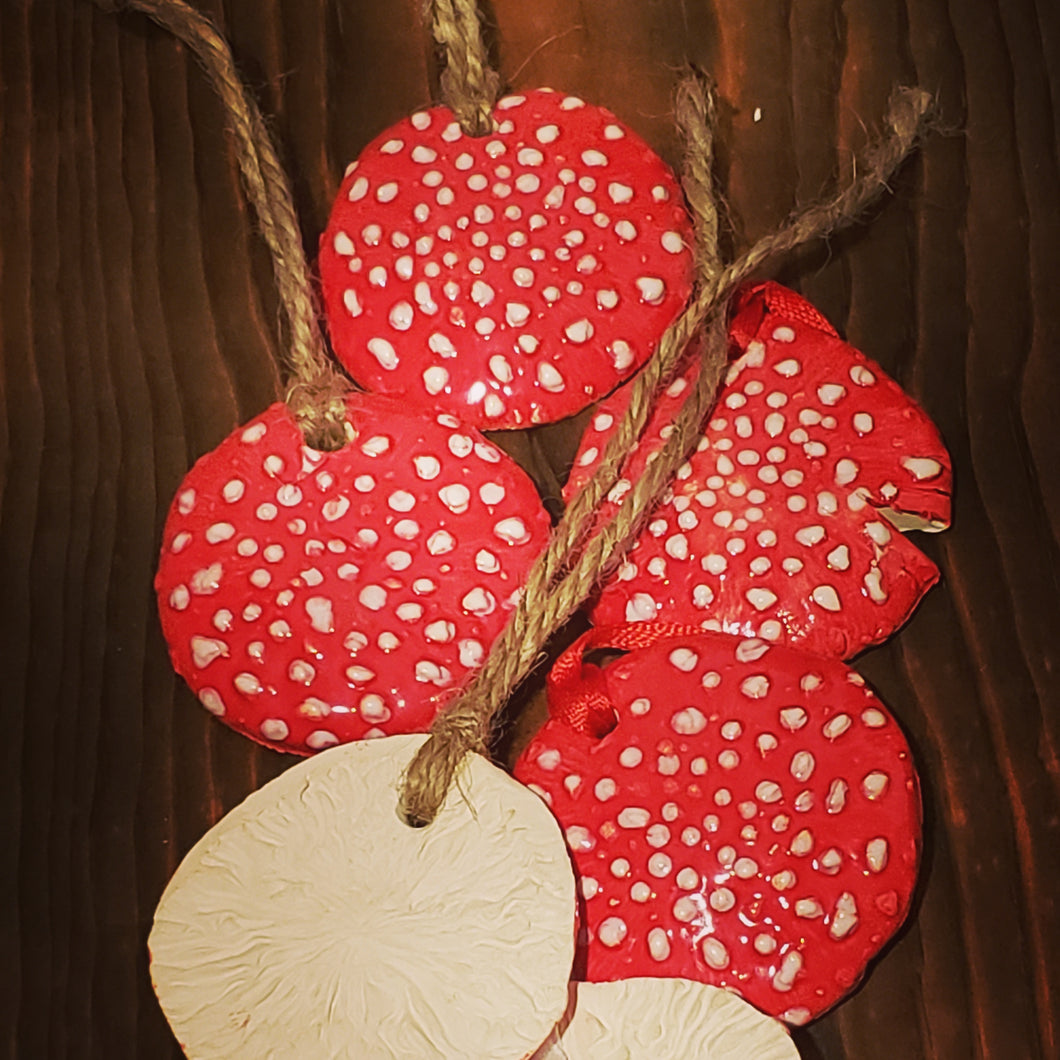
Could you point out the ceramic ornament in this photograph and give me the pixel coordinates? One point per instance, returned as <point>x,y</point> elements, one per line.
<point>511,279</point>
<point>751,820</point>
<point>664,1019</point>
<point>787,521</point>
<point>310,598</point>
<point>312,922</point>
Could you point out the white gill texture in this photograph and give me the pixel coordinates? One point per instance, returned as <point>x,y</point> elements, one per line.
<point>312,922</point>
<point>663,1019</point>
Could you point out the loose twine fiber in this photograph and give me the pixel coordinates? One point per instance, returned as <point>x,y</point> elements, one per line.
<point>581,550</point>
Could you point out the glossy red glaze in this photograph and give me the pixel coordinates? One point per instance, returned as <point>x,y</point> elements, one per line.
<point>751,821</point>
<point>783,523</point>
<point>313,598</point>
<point>511,279</point>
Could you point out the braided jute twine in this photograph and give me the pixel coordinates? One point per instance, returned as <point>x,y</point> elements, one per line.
<point>581,549</point>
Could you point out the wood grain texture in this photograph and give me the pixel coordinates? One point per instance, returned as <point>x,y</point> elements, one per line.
<point>138,327</point>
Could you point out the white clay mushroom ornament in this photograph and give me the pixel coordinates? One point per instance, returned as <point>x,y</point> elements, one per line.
<point>311,598</point>
<point>312,922</point>
<point>786,522</point>
<point>663,1019</point>
<point>512,278</point>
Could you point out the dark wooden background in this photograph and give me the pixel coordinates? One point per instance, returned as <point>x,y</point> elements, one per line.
<point>138,328</point>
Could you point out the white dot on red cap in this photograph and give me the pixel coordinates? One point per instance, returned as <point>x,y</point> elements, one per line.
<point>728,759</point>
<point>274,729</point>
<point>289,495</point>
<point>479,602</point>
<point>219,532</point>
<point>684,659</point>
<point>373,597</point>
<point>387,192</point>
<point>486,562</point>
<point>580,331</point>
<point>688,722</point>
<point>658,944</point>
<point>321,614</point>
<point>455,497</point>
<point>435,379</point>
<point>721,899</point>
<point>440,631</point>
<point>440,542</point>
<point>715,953</point>
<point>612,931</point>
<point>826,596</point>
<point>384,353</point>
<point>755,687</point>
<point>373,709</point>
<point>659,865</point>
<point>652,289</point>
<point>516,314</point>
<point>621,354</point>
<point>547,134</point>
<point>658,835</point>
<point>549,378</point>
<point>630,757</point>
<point>358,189</point>
<point>765,944</point>
<point>471,653</point>
<point>398,560</point>
<point>409,612</point>
<point>318,739</point>
<point>481,293</point>
<point>641,607</point>
<point>500,368</point>
<point>845,472</point>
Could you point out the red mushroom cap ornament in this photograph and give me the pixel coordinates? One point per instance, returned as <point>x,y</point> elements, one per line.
<point>785,523</point>
<point>311,922</point>
<point>741,814</point>
<point>310,598</point>
<point>511,279</point>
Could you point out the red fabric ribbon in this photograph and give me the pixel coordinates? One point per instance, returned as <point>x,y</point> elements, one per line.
<point>577,690</point>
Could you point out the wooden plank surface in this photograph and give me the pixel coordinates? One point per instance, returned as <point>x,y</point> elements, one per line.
<point>137,323</point>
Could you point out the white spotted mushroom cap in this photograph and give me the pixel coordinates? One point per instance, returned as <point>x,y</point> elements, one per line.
<point>312,922</point>
<point>752,821</point>
<point>663,1019</point>
<point>511,279</point>
<point>786,522</point>
<point>310,598</point>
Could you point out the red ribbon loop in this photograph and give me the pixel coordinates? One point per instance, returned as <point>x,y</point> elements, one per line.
<point>577,690</point>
